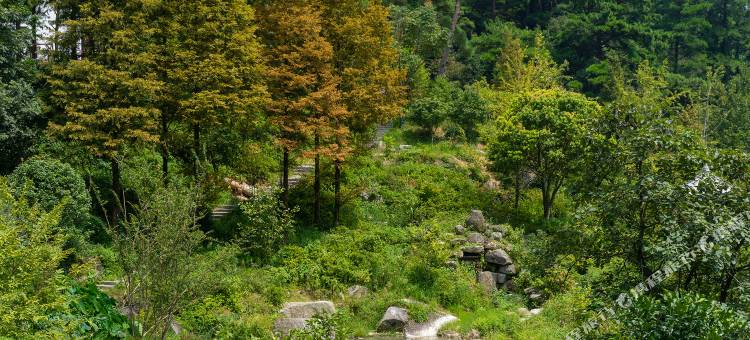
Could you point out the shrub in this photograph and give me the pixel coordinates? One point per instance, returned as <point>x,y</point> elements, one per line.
<point>31,248</point>
<point>50,183</point>
<point>95,314</point>
<point>267,224</point>
<point>682,316</point>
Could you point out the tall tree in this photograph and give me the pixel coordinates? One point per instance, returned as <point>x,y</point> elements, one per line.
<point>214,66</point>
<point>20,110</point>
<point>105,101</point>
<point>305,91</point>
<point>372,85</point>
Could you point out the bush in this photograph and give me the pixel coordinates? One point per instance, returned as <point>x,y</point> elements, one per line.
<point>267,224</point>
<point>52,183</point>
<point>31,248</point>
<point>682,316</point>
<point>95,314</point>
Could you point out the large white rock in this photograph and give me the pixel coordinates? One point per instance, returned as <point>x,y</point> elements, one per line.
<point>306,310</point>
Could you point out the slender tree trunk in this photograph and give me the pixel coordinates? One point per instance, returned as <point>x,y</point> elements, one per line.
<point>164,150</point>
<point>117,194</point>
<point>494,8</point>
<point>447,49</point>
<point>517,194</point>
<point>34,48</point>
<point>546,201</point>
<point>726,284</point>
<point>337,193</point>
<point>316,184</point>
<point>196,148</point>
<point>285,178</point>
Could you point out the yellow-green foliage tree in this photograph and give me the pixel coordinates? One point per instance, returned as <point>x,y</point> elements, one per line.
<point>213,65</point>
<point>372,85</point>
<point>31,247</point>
<point>105,101</point>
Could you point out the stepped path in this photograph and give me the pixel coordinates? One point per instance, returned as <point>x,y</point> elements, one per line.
<point>296,175</point>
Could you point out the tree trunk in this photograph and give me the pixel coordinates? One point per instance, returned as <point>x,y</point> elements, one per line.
<point>34,48</point>
<point>447,49</point>
<point>546,201</point>
<point>337,193</point>
<point>726,285</point>
<point>517,195</point>
<point>118,199</point>
<point>285,178</point>
<point>196,148</point>
<point>316,184</point>
<point>164,150</point>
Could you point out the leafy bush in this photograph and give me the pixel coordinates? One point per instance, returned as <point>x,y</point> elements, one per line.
<point>52,183</point>
<point>96,313</point>
<point>682,316</point>
<point>31,248</point>
<point>334,326</point>
<point>267,224</point>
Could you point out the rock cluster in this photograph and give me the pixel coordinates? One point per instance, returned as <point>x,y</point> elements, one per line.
<point>480,244</point>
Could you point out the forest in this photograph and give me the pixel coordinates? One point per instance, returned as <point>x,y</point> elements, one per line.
<point>374,169</point>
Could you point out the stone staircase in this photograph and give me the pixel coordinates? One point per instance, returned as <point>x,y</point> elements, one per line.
<point>106,285</point>
<point>380,133</point>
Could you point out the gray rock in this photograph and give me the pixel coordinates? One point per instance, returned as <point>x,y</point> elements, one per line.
<point>487,281</point>
<point>473,248</point>
<point>476,238</point>
<point>451,264</point>
<point>497,227</point>
<point>536,311</point>
<point>500,278</point>
<point>491,245</point>
<point>509,286</point>
<point>306,310</point>
<point>459,229</point>
<point>404,146</point>
<point>394,320</point>
<point>496,235</point>
<point>458,241</point>
<point>509,269</point>
<point>284,326</point>
<point>476,221</point>
<point>450,335</point>
<point>535,297</point>
<point>473,335</point>
<point>358,291</point>
<point>498,256</point>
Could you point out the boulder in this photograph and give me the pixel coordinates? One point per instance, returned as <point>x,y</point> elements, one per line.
<point>498,256</point>
<point>358,291</point>
<point>500,278</point>
<point>487,281</point>
<point>473,248</point>
<point>476,238</point>
<point>476,221</point>
<point>536,311</point>
<point>459,229</point>
<point>508,285</point>
<point>509,269</point>
<point>497,227</point>
<point>491,245</point>
<point>306,310</point>
<point>284,326</point>
<point>496,235</point>
<point>474,335</point>
<point>524,312</point>
<point>535,297</point>
<point>394,320</point>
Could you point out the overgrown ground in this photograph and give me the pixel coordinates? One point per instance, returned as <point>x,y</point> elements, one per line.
<point>403,205</point>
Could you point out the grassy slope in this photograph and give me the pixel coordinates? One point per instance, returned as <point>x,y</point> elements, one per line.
<point>395,243</point>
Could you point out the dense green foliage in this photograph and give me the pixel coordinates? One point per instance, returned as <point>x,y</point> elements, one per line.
<point>214,160</point>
